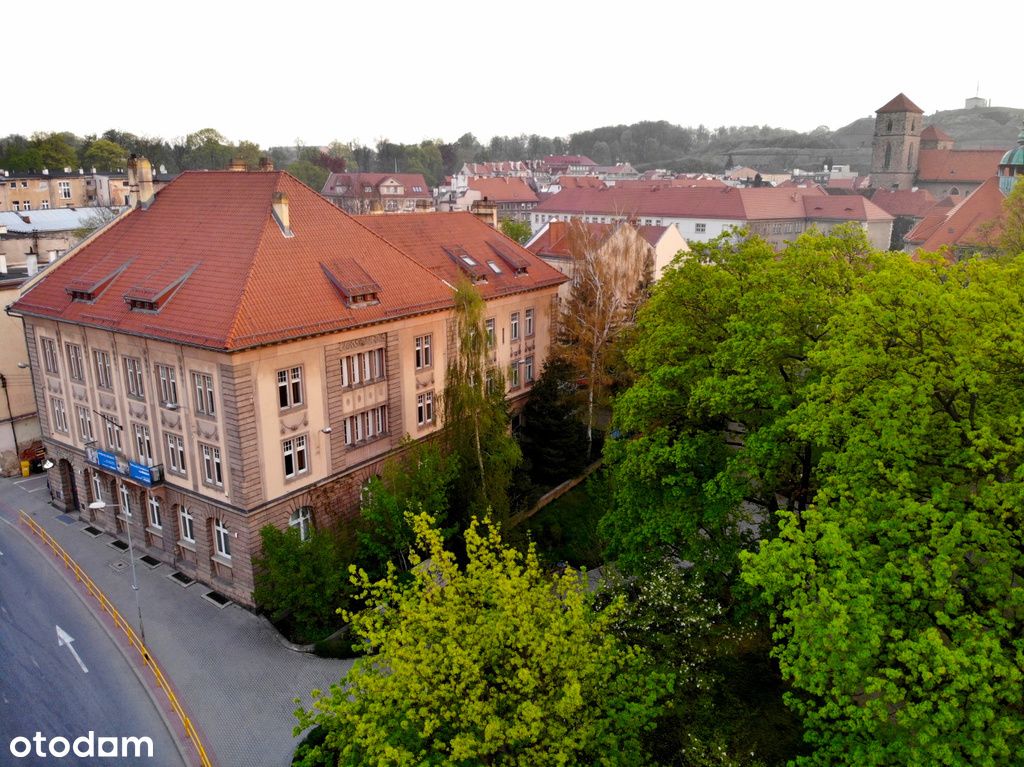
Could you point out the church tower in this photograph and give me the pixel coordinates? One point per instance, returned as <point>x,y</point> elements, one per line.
<point>896,144</point>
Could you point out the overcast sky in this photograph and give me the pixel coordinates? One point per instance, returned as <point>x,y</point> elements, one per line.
<point>407,71</point>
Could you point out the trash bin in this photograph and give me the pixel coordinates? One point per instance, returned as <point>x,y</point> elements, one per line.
<point>25,467</point>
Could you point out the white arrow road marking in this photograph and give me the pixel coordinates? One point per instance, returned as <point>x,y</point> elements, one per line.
<point>64,638</point>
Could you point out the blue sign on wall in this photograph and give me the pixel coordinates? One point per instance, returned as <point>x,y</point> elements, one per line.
<point>146,475</point>
<point>106,460</point>
<point>140,473</point>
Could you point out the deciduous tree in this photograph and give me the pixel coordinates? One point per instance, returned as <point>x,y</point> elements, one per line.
<point>491,664</point>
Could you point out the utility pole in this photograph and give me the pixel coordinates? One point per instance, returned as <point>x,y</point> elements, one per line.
<point>10,413</point>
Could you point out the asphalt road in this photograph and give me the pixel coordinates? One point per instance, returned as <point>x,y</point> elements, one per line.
<point>42,685</point>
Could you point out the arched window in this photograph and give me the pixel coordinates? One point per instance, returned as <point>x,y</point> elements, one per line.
<point>223,538</point>
<point>302,519</point>
<point>954,190</point>
<point>185,525</point>
<point>888,156</point>
<point>888,126</point>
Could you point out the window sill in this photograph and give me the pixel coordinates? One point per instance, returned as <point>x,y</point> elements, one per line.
<point>220,559</point>
<point>296,477</point>
<point>188,545</point>
<point>157,531</point>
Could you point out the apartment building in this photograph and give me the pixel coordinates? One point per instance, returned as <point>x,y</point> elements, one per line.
<point>237,351</point>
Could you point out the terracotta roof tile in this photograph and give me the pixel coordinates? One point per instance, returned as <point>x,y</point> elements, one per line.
<point>250,283</point>
<point>904,202</point>
<point>900,104</point>
<point>971,222</point>
<point>430,238</point>
<point>847,207</point>
<point>581,182</point>
<point>945,165</point>
<point>935,133</point>
<point>503,189</point>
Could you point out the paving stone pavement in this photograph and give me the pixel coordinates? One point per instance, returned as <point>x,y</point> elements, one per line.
<point>235,679</point>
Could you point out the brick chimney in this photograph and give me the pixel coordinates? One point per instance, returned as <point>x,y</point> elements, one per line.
<point>140,181</point>
<point>486,211</point>
<point>237,165</point>
<point>266,164</point>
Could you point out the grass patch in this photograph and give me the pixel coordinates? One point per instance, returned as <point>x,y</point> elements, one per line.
<point>566,529</point>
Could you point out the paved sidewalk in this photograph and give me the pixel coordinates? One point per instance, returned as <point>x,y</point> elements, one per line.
<point>235,679</point>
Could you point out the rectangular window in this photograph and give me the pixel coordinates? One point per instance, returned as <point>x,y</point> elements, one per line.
<point>133,377</point>
<point>289,388</point>
<point>205,402</point>
<point>425,408</point>
<point>513,376</point>
<point>490,333</point>
<point>104,378</point>
<point>363,368</point>
<point>155,520</point>
<point>185,523</point>
<point>143,446</point>
<point>528,369</point>
<point>126,500</point>
<point>176,453</point>
<point>26,204</point>
<point>366,425</point>
<point>700,228</point>
<point>17,205</point>
<point>295,458</point>
<point>75,367</point>
<point>50,356</point>
<point>423,358</point>
<point>529,323</point>
<point>113,434</point>
<point>211,466</point>
<point>168,385</point>
<point>46,205</point>
<point>85,424</point>
<point>514,327</point>
<point>64,187</point>
<point>60,416</point>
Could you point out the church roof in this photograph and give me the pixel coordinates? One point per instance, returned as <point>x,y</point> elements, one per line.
<point>945,165</point>
<point>900,104</point>
<point>935,133</point>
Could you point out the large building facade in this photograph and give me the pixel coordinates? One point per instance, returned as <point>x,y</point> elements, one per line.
<point>239,352</point>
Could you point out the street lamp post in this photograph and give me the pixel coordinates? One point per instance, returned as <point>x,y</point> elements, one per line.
<point>99,505</point>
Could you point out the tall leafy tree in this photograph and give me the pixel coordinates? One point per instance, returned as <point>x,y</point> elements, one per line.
<point>899,596</point>
<point>105,155</point>
<point>553,438</point>
<point>721,359</point>
<point>476,416</point>
<point>491,664</point>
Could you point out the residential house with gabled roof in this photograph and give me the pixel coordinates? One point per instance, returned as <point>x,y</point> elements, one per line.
<point>238,351</point>
<point>513,196</point>
<point>357,193</point>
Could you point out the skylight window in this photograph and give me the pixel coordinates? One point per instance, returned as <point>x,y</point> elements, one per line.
<point>468,260</point>
<point>494,267</point>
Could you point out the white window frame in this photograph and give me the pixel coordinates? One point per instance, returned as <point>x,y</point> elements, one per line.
<point>529,322</point>
<point>513,332</point>
<point>64,188</point>
<point>222,538</point>
<point>85,423</point>
<point>425,408</point>
<point>289,388</point>
<point>50,355</point>
<point>168,385</point>
<point>104,374</point>
<point>113,434</point>
<point>528,372</point>
<point>143,443</point>
<point>489,328</point>
<point>126,500</point>
<point>424,358</point>
<point>213,470</point>
<point>296,451</point>
<point>60,415</point>
<point>202,387</point>
<point>513,375</point>
<point>302,519</point>
<point>76,367</point>
<point>186,525</point>
<point>176,454</point>
<point>133,376</point>
<point>153,503</point>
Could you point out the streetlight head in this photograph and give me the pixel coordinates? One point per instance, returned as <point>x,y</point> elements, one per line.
<point>326,430</point>
<point>48,465</point>
<point>97,505</point>
<point>22,365</point>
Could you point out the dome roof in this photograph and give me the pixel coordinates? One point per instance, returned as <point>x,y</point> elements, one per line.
<point>1016,155</point>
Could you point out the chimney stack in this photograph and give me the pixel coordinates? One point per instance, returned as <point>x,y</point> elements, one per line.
<point>32,264</point>
<point>266,164</point>
<point>238,165</point>
<point>280,208</point>
<point>140,180</point>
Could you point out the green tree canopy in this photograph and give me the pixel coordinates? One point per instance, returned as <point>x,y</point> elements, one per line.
<point>553,438</point>
<point>491,664</point>
<point>104,155</point>
<point>899,596</point>
<point>519,231</point>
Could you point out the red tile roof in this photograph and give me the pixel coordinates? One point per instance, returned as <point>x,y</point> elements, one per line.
<point>973,222</point>
<point>652,234</point>
<point>581,182</point>
<point>437,240</point>
<point>935,133</point>
<point>247,282</point>
<point>846,207</point>
<point>553,240</point>
<point>679,182</point>
<point>900,104</point>
<point>945,165</point>
<point>904,202</point>
<point>503,189</point>
<point>568,159</point>
<point>727,203</point>
<point>351,184</point>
